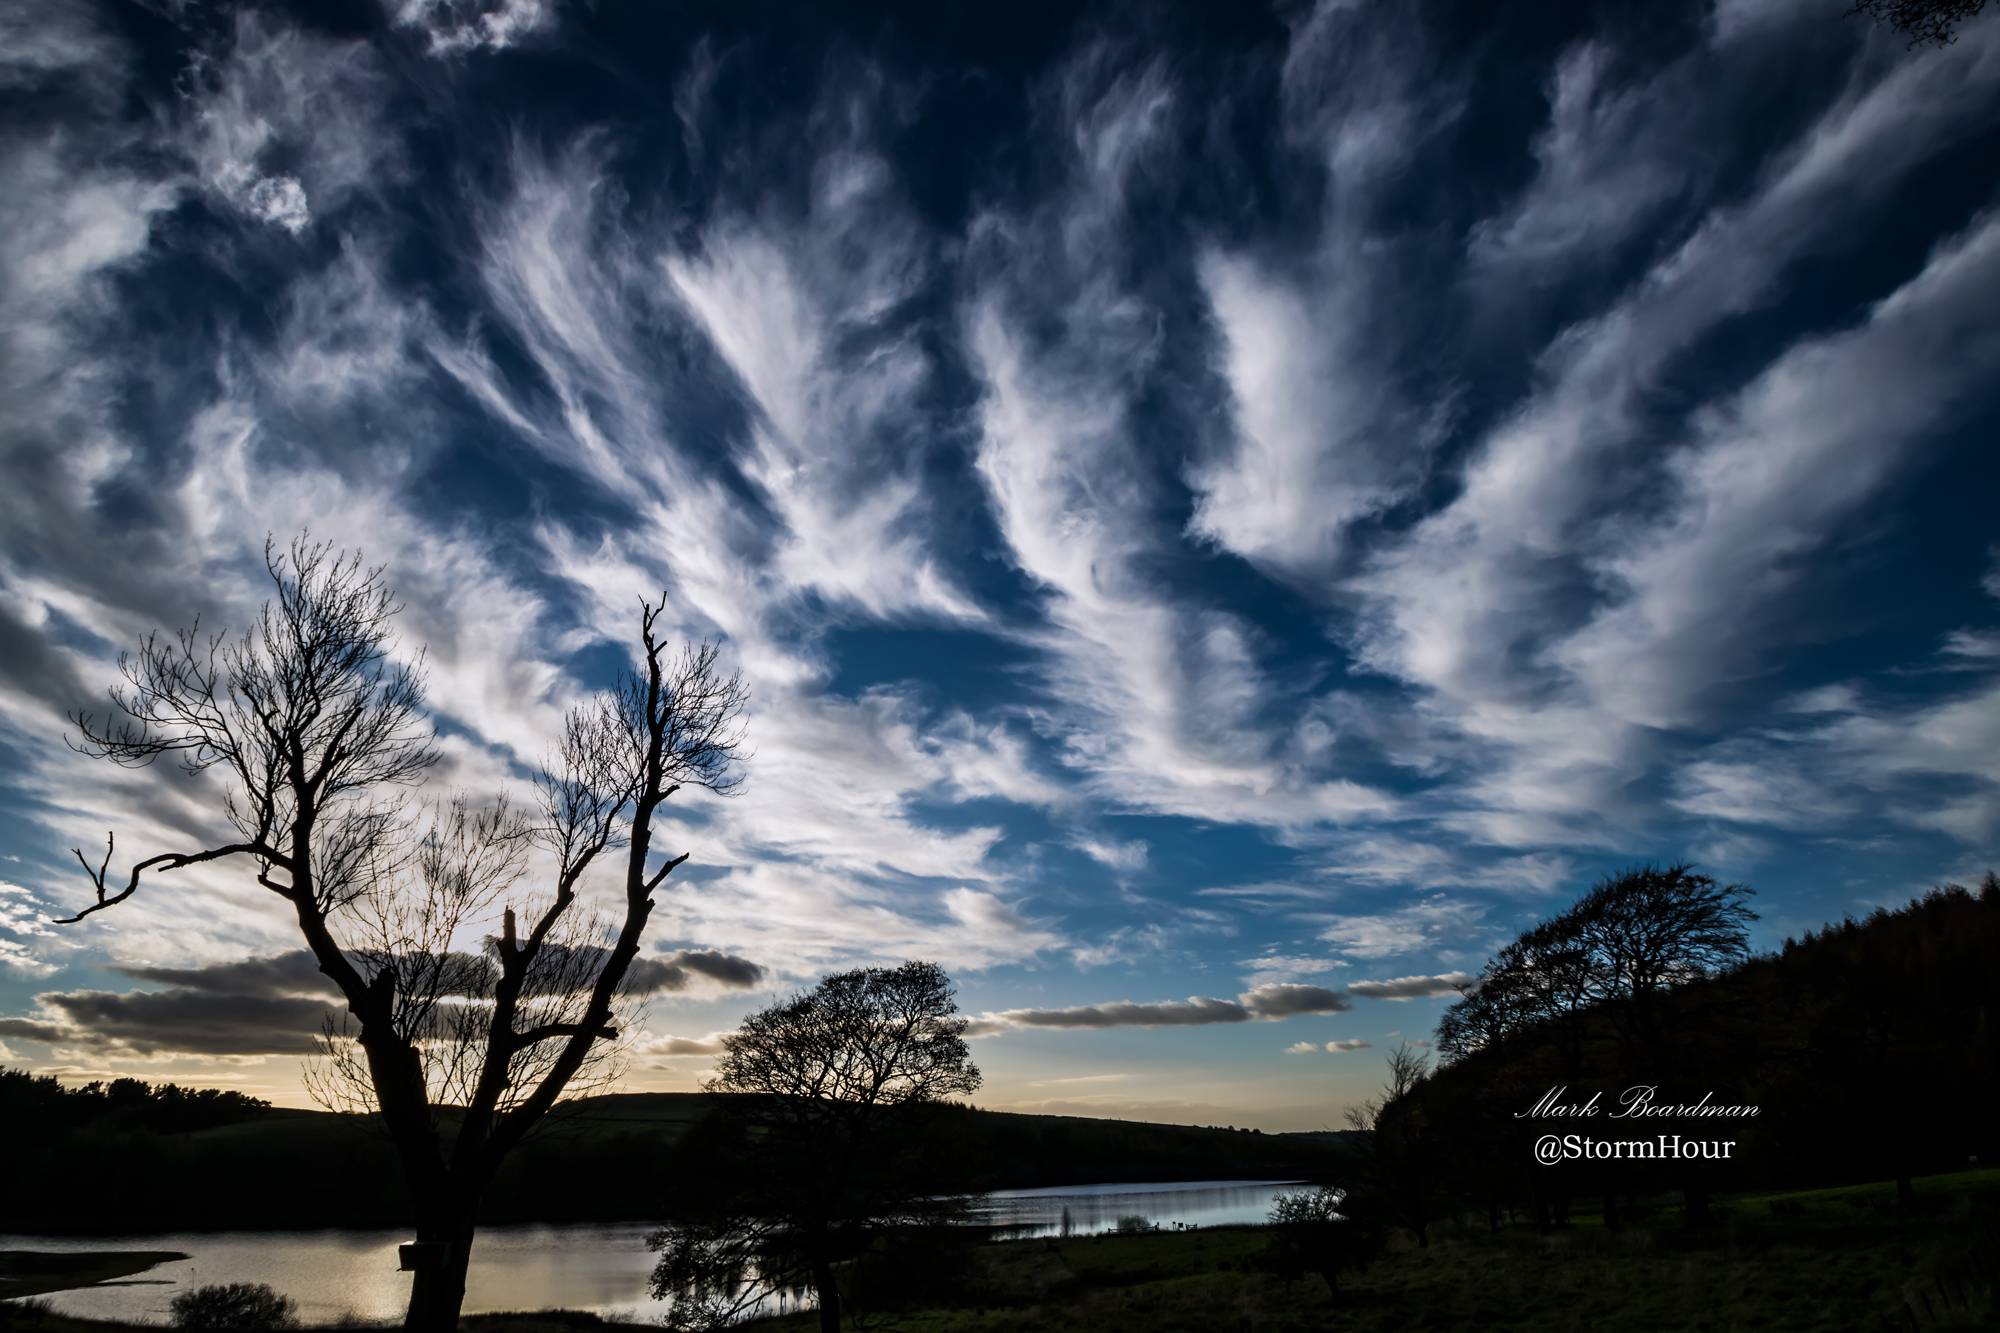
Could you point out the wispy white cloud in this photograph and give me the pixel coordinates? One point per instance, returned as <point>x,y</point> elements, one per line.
<point>1606,161</point>
<point>1505,605</point>
<point>837,447</point>
<point>1111,852</point>
<point>1330,1048</point>
<point>1421,926</point>
<point>1027,504</point>
<point>1165,696</point>
<point>453,27</point>
<point>1324,435</point>
<point>282,123</point>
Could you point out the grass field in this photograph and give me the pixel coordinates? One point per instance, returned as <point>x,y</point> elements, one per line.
<point>1842,1258</point>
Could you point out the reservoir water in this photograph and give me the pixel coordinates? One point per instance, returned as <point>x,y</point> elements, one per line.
<point>577,1266</point>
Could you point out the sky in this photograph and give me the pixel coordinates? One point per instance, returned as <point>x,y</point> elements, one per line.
<point>1227,513</point>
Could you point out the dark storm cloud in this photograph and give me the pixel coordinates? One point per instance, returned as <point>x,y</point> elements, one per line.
<point>27,1029</point>
<point>1283,999</point>
<point>1274,1001</point>
<point>1193,1011</point>
<point>295,973</point>
<point>292,973</point>
<point>276,1005</point>
<point>653,976</point>
<point>191,1021</point>
<point>724,969</point>
<point>32,662</point>
<point>272,1005</point>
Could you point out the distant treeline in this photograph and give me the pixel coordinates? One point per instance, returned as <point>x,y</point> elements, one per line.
<point>1870,1049</point>
<point>33,1106</point>
<point>609,1158</point>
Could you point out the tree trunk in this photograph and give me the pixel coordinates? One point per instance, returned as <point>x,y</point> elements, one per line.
<point>826,1290</point>
<point>437,1290</point>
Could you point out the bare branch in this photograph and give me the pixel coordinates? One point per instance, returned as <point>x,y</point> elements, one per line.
<point>164,861</point>
<point>664,871</point>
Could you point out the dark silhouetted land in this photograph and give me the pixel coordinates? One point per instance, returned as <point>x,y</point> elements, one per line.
<point>600,1159</point>
<point>32,1272</point>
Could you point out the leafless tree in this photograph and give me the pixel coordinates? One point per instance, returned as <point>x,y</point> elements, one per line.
<point>316,724</point>
<point>1408,1066</point>
<point>838,1078</point>
<point>1401,1167</point>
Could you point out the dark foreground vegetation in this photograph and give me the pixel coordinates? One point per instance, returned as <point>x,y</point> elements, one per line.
<point>1846,1258</point>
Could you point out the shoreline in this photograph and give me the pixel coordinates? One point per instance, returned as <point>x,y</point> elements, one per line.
<point>25,1273</point>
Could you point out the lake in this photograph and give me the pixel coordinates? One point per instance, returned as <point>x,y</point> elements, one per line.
<point>600,1266</point>
<point>1094,1208</point>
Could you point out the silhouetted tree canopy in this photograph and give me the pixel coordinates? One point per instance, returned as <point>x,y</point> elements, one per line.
<point>1935,22</point>
<point>1632,936</point>
<point>843,1081</point>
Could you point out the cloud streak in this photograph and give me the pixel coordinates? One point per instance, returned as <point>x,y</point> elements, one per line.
<point>1209,521</point>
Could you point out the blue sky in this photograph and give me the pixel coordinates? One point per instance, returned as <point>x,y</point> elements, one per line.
<point>1227,513</point>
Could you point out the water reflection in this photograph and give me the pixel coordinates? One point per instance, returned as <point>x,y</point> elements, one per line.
<point>1096,1208</point>
<point>331,1274</point>
<point>602,1267</point>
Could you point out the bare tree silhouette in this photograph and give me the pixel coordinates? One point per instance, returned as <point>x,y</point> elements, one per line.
<point>314,723</point>
<point>1399,1170</point>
